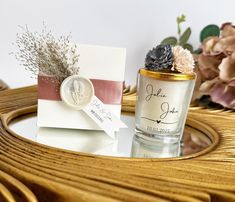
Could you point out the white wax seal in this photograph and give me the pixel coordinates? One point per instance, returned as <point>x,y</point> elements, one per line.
<point>76,91</point>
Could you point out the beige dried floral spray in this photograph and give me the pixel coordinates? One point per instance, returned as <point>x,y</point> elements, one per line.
<point>41,53</point>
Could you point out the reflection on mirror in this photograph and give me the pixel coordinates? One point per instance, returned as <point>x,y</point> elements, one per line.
<point>128,143</point>
<point>193,141</point>
<point>143,148</point>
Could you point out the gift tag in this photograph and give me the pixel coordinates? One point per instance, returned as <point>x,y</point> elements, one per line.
<point>103,117</point>
<point>77,92</point>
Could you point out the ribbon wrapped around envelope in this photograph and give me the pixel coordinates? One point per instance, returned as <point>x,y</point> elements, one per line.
<point>109,92</point>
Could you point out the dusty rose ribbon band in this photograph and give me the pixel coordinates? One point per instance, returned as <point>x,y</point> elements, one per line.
<point>109,92</point>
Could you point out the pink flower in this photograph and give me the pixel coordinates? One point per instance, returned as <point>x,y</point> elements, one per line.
<point>216,68</point>
<point>183,60</point>
<point>224,94</point>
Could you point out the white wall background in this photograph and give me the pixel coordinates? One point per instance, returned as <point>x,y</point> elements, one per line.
<point>137,25</point>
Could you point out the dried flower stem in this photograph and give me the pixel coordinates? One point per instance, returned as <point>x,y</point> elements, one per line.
<point>42,54</point>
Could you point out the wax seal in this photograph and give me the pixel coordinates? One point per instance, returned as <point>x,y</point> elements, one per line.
<point>76,91</point>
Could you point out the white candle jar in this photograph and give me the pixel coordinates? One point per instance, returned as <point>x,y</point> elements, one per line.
<point>162,104</point>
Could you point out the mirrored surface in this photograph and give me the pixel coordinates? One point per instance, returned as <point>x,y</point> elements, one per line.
<point>126,144</point>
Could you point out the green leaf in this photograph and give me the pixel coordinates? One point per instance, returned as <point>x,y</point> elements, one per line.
<point>209,30</point>
<point>169,40</point>
<point>197,51</point>
<point>181,18</point>
<point>185,36</point>
<point>188,46</point>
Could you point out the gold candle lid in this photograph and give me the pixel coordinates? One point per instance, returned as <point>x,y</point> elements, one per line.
<point>167,75</point>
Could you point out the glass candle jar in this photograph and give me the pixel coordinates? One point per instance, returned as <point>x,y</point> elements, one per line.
<point>162,104</point>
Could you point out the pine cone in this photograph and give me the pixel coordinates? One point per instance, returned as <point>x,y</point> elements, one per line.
<point>159,58</point>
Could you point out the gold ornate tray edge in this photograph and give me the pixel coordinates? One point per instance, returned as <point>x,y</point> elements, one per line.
<point>35,173</point>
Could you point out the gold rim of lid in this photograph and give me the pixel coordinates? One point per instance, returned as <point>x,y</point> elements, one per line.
<point>167,76</point>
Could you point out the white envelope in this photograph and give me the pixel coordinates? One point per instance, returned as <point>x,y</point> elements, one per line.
<point>95,62</point>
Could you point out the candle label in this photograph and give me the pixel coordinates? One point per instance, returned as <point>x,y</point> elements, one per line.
<point>167,114</point>
<point>161,104</point>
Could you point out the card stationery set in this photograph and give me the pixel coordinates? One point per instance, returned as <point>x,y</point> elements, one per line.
<point>90,99</point>
<point>80,86</point>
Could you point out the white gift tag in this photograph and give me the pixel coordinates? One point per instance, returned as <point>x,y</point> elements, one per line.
<point>77,92</point>
<point>103,117</point>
